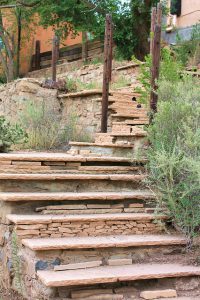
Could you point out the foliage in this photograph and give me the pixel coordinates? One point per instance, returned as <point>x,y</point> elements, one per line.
<point>10,134</point>
<point>174,157</point>
<point>187,51</point>
<point>120,82</point>
<point>144,79</point>
<point>170,71</point>
<point>73,132</point>
<point>44,127</point>
<point>41,124</point>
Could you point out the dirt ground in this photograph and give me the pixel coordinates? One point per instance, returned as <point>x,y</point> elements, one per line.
<point>9,295</point>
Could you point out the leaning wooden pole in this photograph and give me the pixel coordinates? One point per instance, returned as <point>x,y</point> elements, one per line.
<point>155,55</point>
<point>106,72</point>
<point>54,57</point>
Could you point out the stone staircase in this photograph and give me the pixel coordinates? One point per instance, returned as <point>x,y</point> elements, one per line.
<point>83,225</point>
<point>126,135</point>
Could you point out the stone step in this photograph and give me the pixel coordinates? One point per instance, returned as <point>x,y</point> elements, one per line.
<point>111,274</point>
<point>102,242</point>
<point>63,157</point>
<point>107,145</point>
<point>117,169</point>
<point>112,196</point>
<point>51,177</point>
<point>124,134</point>
<point>47,219</point>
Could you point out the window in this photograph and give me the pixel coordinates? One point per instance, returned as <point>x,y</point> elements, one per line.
<point>176,7</point>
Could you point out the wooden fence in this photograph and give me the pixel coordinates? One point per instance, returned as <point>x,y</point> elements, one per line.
<point>66,54</point>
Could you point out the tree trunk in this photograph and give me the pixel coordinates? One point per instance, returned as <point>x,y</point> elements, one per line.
<point>8,50</point>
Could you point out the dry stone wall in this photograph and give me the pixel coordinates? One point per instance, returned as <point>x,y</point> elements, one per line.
<point>82,111</point>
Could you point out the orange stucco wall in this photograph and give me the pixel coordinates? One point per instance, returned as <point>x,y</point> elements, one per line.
<point>29,36</point>
<point>190,13</point>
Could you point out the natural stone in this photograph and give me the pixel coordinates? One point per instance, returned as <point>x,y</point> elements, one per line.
<point>149,295</point>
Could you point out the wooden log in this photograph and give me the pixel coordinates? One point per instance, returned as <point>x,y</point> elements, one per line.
<point>106,73</point>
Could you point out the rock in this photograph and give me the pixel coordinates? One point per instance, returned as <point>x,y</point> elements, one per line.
<point>149,295</point>
<point>76,266</point>
<point>185,284</point>
<point>120,262</point>
<point>41,265</point>
<point>80,294</point>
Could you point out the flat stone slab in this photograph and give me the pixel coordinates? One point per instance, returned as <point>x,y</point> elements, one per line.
<point>52,177</point>
<point>103,242</point>
<point>137,194</point>
<point>45,156</point>
<point>109,274</point>
<point>35,219</point>
<point>107,145</point>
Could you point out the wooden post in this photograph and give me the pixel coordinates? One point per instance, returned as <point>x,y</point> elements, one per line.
<point>159,14</point>
<point>84,47</point>
<point>110,52</point>
<point>155,67</point>
<point>153,22</point>
<point>54,56</point>
<point>37,55</point>
<point>106,72</point>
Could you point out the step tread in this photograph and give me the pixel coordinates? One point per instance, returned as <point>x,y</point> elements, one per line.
<point>50,177</point>
<point>85,144</point>
<point>137,194</point>
<point>103,242</point>
<point>109,274</point>
<point>43,156</point>
<point>47,219</point>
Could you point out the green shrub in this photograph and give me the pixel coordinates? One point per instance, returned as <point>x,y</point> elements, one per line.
<point>10,134</point>
<point>42,126</point>
<point>187,52</point>
<point>174,155</point>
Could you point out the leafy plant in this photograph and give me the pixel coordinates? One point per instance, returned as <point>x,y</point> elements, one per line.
<point>10,134</point>
<point>188,52</point>
<point>174,164</point>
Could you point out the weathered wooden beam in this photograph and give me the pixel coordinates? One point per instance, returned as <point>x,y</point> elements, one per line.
<point>153,22</point>
<point>37,55</point>
<point>55,47</point>
<point>106,72</point>
<point>155,67</point>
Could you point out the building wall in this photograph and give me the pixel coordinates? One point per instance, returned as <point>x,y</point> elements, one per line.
<point>29,36</point>
<point>190,13</point>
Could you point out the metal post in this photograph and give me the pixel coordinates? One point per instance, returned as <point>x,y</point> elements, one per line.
<point>37,55</point>
<point>54,56</point>
<point>106,72</point>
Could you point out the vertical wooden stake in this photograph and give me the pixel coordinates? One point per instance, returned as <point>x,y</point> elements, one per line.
<point>54,56</point>
<point>84,46</point>
<point>159,14</point>
<point>153,22</point>
<point>37,55</point>
<point>155,67</point>
<point>106,72</point>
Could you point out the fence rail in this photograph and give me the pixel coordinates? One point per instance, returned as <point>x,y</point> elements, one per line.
<point>68,53</point>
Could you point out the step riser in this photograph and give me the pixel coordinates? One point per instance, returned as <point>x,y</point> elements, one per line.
<point>46,260</point>
<point>107,151</point>
<point>87,228</point>
<point>67,186</point>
